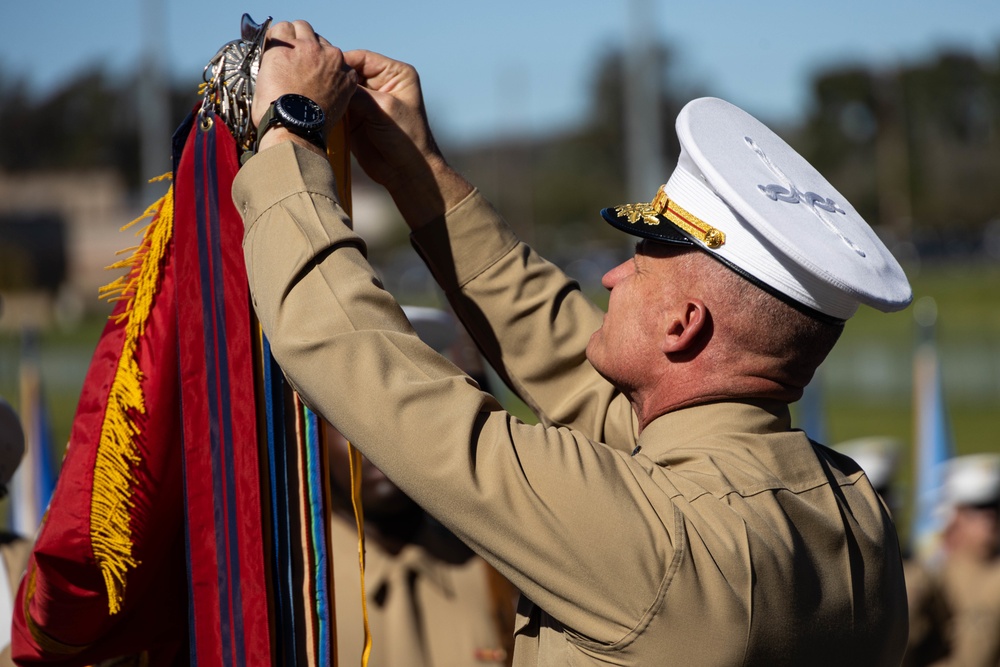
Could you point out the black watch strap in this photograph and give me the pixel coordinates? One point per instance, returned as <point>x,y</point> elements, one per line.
<point>272,119</point>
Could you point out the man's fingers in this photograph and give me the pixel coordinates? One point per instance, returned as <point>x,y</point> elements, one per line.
<point>356,58</point>
<point>281,32</point>
<point>373,68</point>
<point>361,105</point>
<point>284,32</point>
<point>303,30</point>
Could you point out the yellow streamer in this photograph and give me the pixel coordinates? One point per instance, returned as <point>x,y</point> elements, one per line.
<point>354,458</point>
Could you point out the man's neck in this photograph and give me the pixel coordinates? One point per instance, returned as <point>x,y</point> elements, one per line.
<point>684,392</point>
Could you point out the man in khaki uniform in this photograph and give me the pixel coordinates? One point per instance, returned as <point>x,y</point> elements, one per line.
<point>664,511</point>
<point>970,577</point>
<point>431,601</point>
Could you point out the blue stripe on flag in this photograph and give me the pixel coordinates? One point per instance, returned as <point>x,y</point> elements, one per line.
<point>318,525</point>
<point>225,392</point>
<point>212,393</point>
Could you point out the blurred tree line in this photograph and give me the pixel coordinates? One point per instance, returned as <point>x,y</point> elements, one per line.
<point>914,148</point>
<point>553,187</point>
<point>90,122</point>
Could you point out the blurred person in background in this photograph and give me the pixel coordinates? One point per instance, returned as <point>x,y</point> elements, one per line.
<point>14,549</point>
<point>431,601</point>
<point>970,575</point>
<point>928,613</point>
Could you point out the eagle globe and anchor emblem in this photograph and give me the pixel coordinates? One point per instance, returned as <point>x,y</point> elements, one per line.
<point>791,194</point>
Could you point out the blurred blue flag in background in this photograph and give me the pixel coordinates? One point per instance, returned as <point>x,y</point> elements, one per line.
<point>934,444</point>
<point>33,483</point>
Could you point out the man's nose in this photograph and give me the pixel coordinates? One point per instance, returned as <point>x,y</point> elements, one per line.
<point>612,277</point>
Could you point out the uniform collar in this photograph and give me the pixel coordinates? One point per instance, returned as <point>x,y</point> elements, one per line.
<point>675,430</point>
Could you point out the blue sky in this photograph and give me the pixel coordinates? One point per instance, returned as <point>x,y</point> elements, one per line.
<point>493,67</point>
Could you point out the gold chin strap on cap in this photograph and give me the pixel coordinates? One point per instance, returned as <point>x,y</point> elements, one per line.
<point>685,220</point>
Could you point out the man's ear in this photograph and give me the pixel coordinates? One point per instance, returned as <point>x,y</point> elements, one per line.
<point>685,326</point>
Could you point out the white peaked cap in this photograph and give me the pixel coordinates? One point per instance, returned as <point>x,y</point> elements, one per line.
<point>877,456</point>
<point>742,194</point>
<point>435,327</point>
<point>973,479</point>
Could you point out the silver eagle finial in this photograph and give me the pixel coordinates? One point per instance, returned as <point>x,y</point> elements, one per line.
<point>229,80</point>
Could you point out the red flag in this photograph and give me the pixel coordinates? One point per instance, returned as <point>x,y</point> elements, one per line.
<point>112,539</point>
<point>155,526</point>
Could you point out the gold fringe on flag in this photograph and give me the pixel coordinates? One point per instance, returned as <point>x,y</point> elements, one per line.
<point>117,454</point>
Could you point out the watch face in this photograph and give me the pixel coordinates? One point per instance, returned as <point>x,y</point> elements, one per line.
<point>300,111</point>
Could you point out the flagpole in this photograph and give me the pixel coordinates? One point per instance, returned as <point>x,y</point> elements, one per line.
<point>643,125</point>
<point>153,101</point>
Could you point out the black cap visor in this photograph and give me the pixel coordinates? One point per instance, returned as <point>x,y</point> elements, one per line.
<point>662,230</point>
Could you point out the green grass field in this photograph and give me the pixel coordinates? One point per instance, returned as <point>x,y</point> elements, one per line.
<point>967,297</point>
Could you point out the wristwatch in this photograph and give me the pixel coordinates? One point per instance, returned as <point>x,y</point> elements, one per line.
<point>297,114</point>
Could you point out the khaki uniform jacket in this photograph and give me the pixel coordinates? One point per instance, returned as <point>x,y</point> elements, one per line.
<point>429,605</point>
<point>971,591</point>
<point>727,539</point>
<point>928,614</point>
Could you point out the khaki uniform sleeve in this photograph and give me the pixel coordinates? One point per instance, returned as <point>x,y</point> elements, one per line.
<point>530,499</point>
<point>530,320</point>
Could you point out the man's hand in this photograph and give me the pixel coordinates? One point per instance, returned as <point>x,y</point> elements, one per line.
<point>390,135</point>
<point>392,140</point>
<point>297,60</point>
